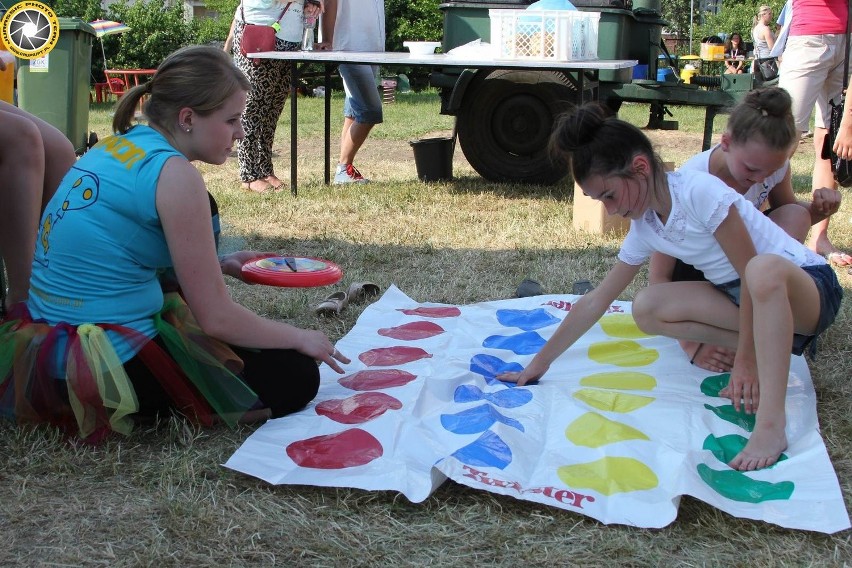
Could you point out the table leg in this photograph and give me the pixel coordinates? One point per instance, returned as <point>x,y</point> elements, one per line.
<point>294,96</point>
<point>327,125</point>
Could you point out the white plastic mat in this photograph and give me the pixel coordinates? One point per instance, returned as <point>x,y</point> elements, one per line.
<point>618,429</point>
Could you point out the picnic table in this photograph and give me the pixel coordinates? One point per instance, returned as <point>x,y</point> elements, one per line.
<point>587,74</point>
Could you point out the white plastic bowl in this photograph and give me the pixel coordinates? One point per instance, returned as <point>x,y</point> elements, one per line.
<point>421,47</point>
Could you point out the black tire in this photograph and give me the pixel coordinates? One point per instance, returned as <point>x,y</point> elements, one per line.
<point>505,122</point>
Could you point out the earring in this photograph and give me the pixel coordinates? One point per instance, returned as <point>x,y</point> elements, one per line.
<point>185,128</point>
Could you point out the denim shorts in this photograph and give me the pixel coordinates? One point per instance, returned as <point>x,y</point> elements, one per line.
<point>830,295</point>
<point>363,102</point>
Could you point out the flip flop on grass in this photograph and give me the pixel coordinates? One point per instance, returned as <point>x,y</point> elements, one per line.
<point>358,291</point>
<point>332,305</point>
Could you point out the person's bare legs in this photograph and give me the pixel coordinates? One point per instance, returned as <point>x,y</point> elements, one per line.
<point>822,177</point>
<point>693,311</point>
<point>58,151</point>
<point>794,219</point>
<point>784,299</point>
<point>352,137</point>
<point>22,172</point>
<point>34,157</point>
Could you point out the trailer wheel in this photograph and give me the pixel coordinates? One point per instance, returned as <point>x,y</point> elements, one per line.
<point>505,122</point>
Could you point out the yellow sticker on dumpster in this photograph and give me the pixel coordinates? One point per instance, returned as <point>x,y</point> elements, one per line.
<point>29,29</point>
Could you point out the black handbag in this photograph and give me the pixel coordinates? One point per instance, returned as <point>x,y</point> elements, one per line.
<point>842,169</point>
<point>767,68</point>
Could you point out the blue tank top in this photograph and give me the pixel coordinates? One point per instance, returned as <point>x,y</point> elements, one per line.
<point>100,244</point>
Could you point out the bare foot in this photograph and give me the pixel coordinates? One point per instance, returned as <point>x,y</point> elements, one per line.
<point>762,450</point>
<point>709,357</point>
<point>277,184</point>
<point>822,246</point>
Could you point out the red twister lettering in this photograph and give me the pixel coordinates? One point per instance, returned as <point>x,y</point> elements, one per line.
<point>564,496</point>
<point>559,305</point>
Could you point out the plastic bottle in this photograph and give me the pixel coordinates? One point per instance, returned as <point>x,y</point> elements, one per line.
<point>308,35</point>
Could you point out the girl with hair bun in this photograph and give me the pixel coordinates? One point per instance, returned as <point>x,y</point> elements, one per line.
<point>753,158</point>
<point>99,344</point>
<point>783,287</point>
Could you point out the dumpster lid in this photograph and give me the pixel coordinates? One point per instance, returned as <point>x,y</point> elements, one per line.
<point>75,24</point>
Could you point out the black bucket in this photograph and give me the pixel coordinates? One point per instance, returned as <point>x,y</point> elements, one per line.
<point>434,158</point>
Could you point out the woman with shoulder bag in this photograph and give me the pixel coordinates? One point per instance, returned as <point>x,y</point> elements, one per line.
<point>270,84</point>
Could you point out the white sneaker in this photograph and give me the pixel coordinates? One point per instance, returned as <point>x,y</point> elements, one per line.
<point>346,173</point>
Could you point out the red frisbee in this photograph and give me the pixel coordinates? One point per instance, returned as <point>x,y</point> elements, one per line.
<point>291,271</point>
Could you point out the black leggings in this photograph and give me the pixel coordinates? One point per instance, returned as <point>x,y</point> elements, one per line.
<point>283,379</point>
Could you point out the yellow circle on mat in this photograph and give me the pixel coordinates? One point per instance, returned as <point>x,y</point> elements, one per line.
<point>610,401</point>
<point>593,431</point>
<point>621,325</point>
<point>622,380</point>
<point>623,353</point>
<point>609,475</point>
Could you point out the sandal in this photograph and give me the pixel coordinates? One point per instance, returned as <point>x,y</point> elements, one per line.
<point>333,304</point>
<point>258,186</point>
<point>276,187</point>
<point>529,288</point>
<point>358,291</point>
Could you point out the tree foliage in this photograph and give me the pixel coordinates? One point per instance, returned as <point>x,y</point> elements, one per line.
<point>156,30</point>
<point>419,20</point>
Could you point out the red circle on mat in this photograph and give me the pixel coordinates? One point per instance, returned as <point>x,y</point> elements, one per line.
<point>278,271</point>
<point>377,379</point>
<point>412,331</point>
<point>438,312</point>
<point>349,448</point>
<point>358,408</point>
<point>388,356</point>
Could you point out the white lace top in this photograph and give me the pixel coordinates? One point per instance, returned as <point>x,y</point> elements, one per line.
<point>700,202</point>
<point>758,193</point>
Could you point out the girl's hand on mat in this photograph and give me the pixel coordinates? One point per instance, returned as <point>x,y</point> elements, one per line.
<point>530,375</point>
<point>743,388</point>
<point>315,344</point>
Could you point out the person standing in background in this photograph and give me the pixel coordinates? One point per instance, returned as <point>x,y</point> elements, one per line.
<point>270,85</point>
<point>762,34</point>
<point>355,25</point>
<point>812,72</point>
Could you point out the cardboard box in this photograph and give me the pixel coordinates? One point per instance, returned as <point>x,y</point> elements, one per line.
<point>591,216</point>
<point>712,52</point>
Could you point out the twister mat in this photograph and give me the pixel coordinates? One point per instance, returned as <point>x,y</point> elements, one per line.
<point>620,427</point>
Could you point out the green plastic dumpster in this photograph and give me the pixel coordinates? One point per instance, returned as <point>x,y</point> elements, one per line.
<point>55,87</point>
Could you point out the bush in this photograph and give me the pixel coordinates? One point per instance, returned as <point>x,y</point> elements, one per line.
<point>733,17</point>
<point>156,30</point>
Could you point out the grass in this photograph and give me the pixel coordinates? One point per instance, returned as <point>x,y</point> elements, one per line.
<point>159,497</point>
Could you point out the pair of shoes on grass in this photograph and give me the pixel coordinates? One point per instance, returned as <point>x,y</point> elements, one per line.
<point>529,288</point>
<point>334,303</point>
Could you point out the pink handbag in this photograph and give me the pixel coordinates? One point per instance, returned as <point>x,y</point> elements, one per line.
<point>257,38</point>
